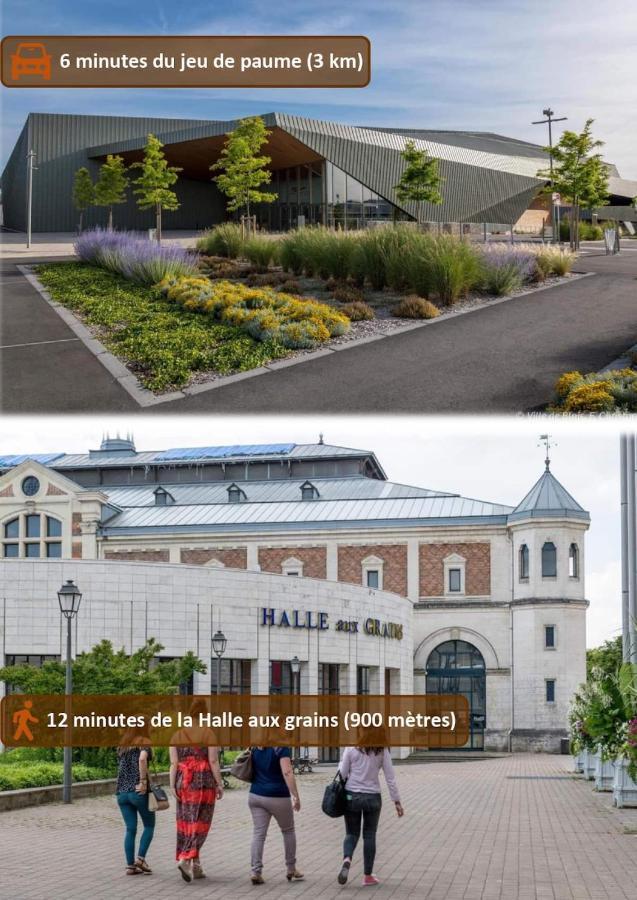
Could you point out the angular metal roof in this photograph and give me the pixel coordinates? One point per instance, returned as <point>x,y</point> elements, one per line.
<point>548,497</point>
<point>274,491</point>
<point>274,516</point>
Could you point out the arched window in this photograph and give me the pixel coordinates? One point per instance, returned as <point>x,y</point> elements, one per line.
<point>549,560</point>
<point>524,561</point>
<point>573,561</point>
<point>32,535</point>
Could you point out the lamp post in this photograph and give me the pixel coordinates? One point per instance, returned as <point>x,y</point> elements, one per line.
<point>548,112</point>
<point>219,643</point>
<point>69,598</point>
<point>31,168</point>
<point>295,668</point>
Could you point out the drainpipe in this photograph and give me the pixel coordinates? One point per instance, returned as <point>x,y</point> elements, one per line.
<point>511,650</point>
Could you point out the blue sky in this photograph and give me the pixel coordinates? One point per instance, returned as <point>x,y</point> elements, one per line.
<point>487,65</point>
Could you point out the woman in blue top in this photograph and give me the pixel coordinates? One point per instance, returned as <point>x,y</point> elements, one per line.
<point>273,793</point>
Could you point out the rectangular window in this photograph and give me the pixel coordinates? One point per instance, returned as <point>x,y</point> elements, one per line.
<point>280,677</point>
<point>549,637</point>
<point>53,527</point>
<point>54,550</point>
<point>235,676</point>
<point>362,679</point>
<point>11,551</point>
<point>455,580</point>
<point>550,690</point>
<point>33,526</point>
<point>372,578</point>
<point>32,550</point>
<point>290,572</point>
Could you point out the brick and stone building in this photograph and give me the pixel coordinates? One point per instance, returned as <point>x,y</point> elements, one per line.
<point>490,598</point>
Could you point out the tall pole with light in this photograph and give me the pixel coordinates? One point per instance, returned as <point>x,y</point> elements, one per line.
<point>31,168</point>
<point>295,668</point>
<point>550,118</point>
<point>69,598</point>
<point>219,643</point>
<point>628,465</point>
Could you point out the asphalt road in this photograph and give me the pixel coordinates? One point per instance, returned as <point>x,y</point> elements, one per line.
<point>500,359</point>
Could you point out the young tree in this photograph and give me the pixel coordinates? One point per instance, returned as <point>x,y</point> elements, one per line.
<point>83,192</point>
<point>244,171</point>
<point>111,185</point>
<point>420,181</point>
<point>155,181</point>
<point>579,175</point>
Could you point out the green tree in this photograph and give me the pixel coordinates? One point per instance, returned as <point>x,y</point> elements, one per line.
<point>420,181</point>
<point>605,659</point>
<point>111,185</point>
<point>243,169</point>
<point>104,670</point>
<point>580,175</point>
<point>83,192</point>
<point>155,181</point>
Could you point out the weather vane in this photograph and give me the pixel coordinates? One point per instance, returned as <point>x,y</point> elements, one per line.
<point>548,443</point>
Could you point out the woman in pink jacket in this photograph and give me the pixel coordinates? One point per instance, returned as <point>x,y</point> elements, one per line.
<point>360,767</point>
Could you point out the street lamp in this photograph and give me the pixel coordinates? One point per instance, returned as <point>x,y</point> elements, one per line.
<point>31,168</point>
<point>219,642</point>
<point>69,598</point>
<point>550,118</point>
<point>295,668</point>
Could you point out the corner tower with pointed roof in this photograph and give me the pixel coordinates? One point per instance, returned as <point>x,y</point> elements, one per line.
<point>548,611</point>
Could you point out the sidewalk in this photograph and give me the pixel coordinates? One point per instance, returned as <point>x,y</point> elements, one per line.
<point>55,244</point>
<point>514,828</point>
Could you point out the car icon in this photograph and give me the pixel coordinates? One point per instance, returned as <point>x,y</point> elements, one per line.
<point>30,59</point>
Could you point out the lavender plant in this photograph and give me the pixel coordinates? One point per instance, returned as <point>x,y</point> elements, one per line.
<point>133,257</point>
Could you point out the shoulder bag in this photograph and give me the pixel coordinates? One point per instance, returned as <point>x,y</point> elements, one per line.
<point>241,768</point>
<point>334,800</point>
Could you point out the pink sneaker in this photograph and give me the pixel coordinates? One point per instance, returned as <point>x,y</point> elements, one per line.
<point>370,880</point>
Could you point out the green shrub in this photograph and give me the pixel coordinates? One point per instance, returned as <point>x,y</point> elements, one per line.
<point>222,240</point>
<point>415,308</point>
<point>260,251</point>
<point>358,311</point>
<point>294,252</point>
<point>41,774</point>
<point>368,261</point>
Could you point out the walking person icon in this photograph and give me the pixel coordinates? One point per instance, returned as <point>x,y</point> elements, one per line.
<point>23,718</point>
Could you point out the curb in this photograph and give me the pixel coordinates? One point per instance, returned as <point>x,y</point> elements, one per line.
<point>145,398</point>
<point>622,362</point>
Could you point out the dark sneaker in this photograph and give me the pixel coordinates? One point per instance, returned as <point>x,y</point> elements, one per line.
<point>343,875</point>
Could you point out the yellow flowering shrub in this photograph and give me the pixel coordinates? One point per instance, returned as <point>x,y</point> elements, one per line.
<point>614,391</point>
<point>262,312</point>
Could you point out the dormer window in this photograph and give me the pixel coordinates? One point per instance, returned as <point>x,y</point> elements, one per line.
<point>235,494</point>
<point>309,492</point>
<point>163,497</point>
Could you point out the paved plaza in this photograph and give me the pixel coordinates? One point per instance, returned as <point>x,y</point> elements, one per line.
<point>492,829</point>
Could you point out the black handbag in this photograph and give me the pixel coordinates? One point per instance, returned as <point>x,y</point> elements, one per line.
<point>334,799</point>
<point>157,796</point>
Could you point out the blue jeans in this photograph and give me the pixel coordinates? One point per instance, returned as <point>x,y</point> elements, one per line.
<point>131,803</point>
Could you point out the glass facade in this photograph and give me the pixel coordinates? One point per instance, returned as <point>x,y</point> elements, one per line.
<point>319,193</point>
<point>457,667</point>
<point>235,676</point>
<point>329,683</point>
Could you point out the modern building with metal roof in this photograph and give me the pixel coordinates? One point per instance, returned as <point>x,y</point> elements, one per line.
<point>322,172</point>
<point>489,596</point>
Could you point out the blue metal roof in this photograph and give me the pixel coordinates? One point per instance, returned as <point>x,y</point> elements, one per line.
<point>548,497</point>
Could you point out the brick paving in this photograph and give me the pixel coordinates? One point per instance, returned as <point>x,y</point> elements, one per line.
<point>510,828</point>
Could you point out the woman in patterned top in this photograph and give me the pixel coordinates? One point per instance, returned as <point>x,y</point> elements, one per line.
<point>132,797</point>
<point>195,779</point>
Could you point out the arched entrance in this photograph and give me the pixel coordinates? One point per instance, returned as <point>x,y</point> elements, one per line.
<point>457,667</point>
